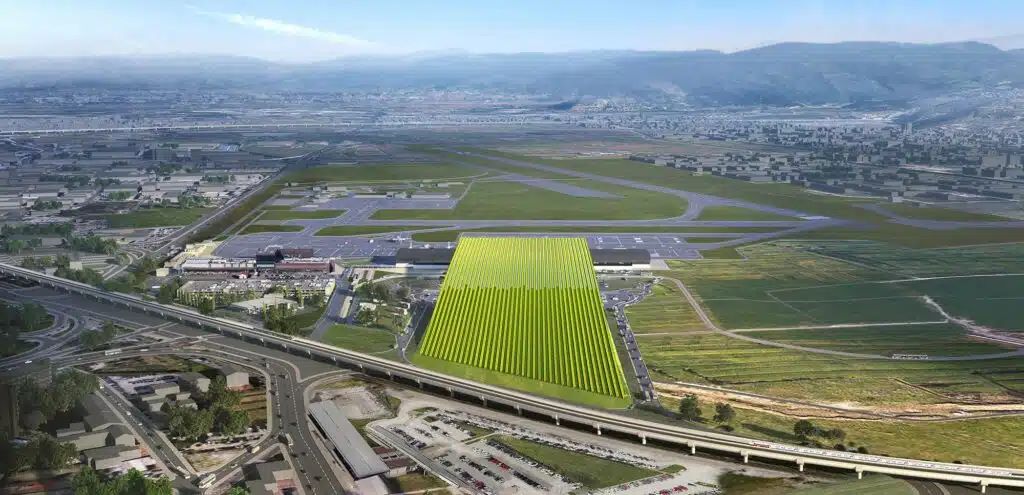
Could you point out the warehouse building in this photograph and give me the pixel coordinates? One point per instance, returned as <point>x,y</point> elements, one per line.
<point>348,444</point>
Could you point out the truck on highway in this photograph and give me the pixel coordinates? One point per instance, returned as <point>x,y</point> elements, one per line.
<point>286,438</point>
<point>111,352</point>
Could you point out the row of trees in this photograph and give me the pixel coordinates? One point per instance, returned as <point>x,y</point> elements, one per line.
<point>91,244</point>
<point>807,430</point>
<point>690,409</point>
<point>61,229</point>
<point>217,414</point>
<point>89,482</point>
<point>42,451</point>
<point>279,318</point>
<point>37,263</point>
<point>14,319</point>
<point>16,246</point>
<point>41,204</point>
<point>94,339</point>
<point>66,390</point>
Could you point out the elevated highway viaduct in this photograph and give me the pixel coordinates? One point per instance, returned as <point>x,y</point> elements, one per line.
<point>601,421</point>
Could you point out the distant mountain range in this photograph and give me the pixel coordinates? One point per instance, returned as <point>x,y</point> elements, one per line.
<point>780,74</point>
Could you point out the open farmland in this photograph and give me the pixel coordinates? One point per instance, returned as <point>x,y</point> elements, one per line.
<point>525,313</point>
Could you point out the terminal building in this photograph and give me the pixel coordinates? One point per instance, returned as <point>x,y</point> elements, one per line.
<point>350,447</point>
<point>611,259</point>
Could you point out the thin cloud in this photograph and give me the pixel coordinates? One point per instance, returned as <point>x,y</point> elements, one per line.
<point>285,28</point>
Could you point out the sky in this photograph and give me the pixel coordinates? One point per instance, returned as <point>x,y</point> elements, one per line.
<point>309,30</point>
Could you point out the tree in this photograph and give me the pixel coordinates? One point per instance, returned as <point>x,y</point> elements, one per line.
<point>50,453</point>
<point>88,482</point>
<point>836,434</point>
<point>237,490</point>
<point>402,292</point>
<point>230,422</point>
<point>689,408</point>
<point>804,428</point>
<point>724,413</point>
<point>206,306</point>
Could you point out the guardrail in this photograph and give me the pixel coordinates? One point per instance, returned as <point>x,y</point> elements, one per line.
<point>557,410</point>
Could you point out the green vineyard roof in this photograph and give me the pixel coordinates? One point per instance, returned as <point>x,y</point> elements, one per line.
<point>528,307</point>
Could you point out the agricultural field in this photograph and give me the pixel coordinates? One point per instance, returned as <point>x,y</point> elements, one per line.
<point>156,217</point>
<point>934,262</point>
<point>526,313</point>
<point>275,215</point>
<point>517,201</point>
<point>264,228</point>
<point>452,235</point>
<point>382,173</point>
<point>731,213</point>
<point>933,339</point>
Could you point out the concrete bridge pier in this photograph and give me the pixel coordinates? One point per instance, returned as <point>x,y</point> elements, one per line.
<point>800,465</point>
<point>746,456</point>
<point>483,400</point>
<point>519,410</point>
<point>984,486</point>
<point>693,448</point>
<point>860,472</point>
<point>558,422</point>
<point>598,427</point>
<point>419,383</point>
<point>451,392</point>
<point>643,439</point>
<point>310,352</point>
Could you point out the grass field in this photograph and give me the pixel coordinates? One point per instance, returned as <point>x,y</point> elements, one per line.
<point>870,485</point>
<point>452,235</point>
<point>794,374</point>
<point>529,308</point>
<point>729,213</point>
<point>663,312</point>
<point>784,196</point>
<point>591,472</point>
<point>944,441</point>
<point>381,173</point>
<point>778,195</point>
<point>359,339</point>
<point>156,217</point>
<point>300,214</point>
<point>937,213</point>
<point>346,230</point>
<point>261,229</point>
<point>517,201</point>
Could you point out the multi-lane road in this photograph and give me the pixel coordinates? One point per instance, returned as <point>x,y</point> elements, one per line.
<point>558,411</point>
<point>286,401</point>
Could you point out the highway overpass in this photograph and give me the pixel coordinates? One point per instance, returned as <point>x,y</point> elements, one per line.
<point>557,411</point>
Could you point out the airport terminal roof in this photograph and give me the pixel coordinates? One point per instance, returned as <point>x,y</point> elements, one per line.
<point>357,454</point>
<point>620,256</point>
<point>443,256</point>
<point>424,256</point>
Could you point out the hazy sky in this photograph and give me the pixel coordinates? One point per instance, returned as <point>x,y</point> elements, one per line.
<point>302,30</point>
